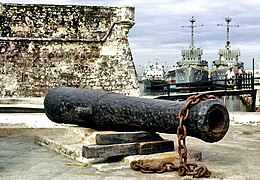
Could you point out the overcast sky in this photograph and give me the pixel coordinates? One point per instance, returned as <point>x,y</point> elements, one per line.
<point>158,30</point>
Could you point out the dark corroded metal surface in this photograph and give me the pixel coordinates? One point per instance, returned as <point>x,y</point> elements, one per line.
<point>208,120</point>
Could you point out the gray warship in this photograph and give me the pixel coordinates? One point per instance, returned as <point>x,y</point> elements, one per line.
<point>191,68</point>
<point>228,58</point>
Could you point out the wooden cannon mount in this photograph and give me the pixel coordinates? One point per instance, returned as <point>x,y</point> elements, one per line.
<point>138,118</point>
<point>125,144</point>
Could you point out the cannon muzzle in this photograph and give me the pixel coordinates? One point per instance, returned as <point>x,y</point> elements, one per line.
<point>208,120</point>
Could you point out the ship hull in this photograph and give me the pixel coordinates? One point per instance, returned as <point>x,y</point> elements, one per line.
<point>154,84</point>
<point>191,75</point>
<point>218,76</point>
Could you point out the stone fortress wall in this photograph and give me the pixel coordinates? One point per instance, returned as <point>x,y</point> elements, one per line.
<point>45,46</point>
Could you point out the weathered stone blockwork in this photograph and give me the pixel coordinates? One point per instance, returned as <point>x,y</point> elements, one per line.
<point>45,46</point>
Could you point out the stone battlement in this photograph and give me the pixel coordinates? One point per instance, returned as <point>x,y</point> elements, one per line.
<point>45,46</point>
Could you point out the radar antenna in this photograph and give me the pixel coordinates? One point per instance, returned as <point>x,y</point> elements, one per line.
<point>192,20</point>
<point>228,20</point>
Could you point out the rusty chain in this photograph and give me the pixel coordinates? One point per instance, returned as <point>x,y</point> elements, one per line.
<point>183,168</point>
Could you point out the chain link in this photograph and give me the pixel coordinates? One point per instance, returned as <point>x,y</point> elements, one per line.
<point>183,168</point>
<point>165,167</point>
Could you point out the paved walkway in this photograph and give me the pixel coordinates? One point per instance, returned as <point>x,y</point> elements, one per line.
<point>235,157</point>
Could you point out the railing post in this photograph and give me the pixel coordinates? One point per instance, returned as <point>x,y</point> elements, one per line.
<point>168,89</point>
<point>252,82</point>
<point>243,81</point>
<point>236,81</point>
<point>246,85</point>
<point>225,84</point>
<point>249,81</point>
<point>253,78</point>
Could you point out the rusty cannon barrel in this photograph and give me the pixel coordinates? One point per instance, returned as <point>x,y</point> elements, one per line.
<point>208,120</point>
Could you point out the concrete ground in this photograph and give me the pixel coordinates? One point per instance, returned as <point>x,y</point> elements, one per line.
<point>236,156</point>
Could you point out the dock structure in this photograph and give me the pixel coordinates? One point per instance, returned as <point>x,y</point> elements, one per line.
<point>254,103</point>
<point>249,86</point>
<point>219,93</point>
<point>257,102</point>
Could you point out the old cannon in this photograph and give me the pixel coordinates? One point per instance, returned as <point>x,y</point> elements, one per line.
<point>208,120</point>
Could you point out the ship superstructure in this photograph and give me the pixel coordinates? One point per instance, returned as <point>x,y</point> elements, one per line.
<point>154,76</point>
<point>191,68</point>
<point>228,58</point>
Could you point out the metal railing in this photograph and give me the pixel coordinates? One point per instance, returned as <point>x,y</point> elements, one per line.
<point>245,81</point>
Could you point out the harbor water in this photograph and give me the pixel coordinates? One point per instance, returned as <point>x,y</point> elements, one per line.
<point>233,103</point>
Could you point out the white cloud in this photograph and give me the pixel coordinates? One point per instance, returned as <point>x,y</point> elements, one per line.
<point>158,31</point>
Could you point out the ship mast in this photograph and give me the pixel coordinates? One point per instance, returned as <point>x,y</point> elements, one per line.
<point>228,20</point>
<point>192,21</point>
